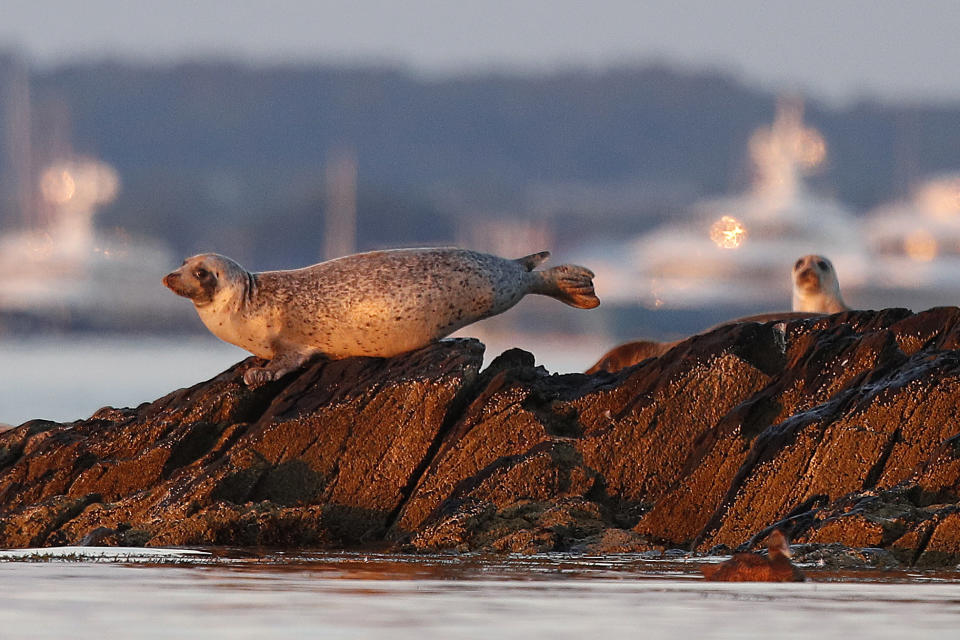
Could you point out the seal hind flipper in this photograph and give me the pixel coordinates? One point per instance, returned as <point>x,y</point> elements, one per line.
<point>533,260</point>
<point>570,284</point>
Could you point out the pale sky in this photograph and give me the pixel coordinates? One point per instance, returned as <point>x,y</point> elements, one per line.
<point>833,49</point>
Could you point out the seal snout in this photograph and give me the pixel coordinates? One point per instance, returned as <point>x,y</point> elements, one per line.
<point>176,282</point>
<point>809,278</point>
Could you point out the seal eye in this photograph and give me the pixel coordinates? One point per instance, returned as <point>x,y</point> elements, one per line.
<point>823,265</point>
<point>201,274</point>
<point>798,265</point>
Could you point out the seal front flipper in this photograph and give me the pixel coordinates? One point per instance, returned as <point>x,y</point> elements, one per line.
<point>280,365</point>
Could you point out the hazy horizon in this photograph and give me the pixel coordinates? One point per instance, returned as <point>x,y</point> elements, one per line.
<point>837,51</point>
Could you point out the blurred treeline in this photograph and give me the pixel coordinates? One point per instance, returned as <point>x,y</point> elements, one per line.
<point>228,157</point>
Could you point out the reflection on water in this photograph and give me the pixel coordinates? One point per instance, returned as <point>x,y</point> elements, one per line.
<point>368,596</point>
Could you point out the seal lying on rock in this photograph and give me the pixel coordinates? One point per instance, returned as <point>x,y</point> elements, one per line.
<point>815,286</point>
<point>751,567</point>
<point>816,291</point>
<point>380,304</point>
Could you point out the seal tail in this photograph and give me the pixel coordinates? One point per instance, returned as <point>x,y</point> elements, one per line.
<point>531,261</point>
<point>567,283</point>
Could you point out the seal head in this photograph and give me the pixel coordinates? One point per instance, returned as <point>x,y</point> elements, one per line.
<point>816,288</point>
<point>207,277</point>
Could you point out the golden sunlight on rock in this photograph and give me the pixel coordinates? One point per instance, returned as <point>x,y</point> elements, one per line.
<point>728,233</point>
<point>920,245</point>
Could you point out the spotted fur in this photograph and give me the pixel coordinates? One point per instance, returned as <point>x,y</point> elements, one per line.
<point>381,303</point>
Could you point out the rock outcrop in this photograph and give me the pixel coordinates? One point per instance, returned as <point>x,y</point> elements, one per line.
<point>837,430</point>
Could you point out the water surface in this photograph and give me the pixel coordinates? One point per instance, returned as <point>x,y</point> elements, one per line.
<point>418,598</point>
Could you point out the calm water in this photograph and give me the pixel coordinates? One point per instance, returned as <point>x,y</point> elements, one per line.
<point>376,596</point>
<point>69,378</point>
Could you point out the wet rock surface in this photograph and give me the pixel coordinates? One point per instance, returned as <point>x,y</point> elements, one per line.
<point>841,431</point>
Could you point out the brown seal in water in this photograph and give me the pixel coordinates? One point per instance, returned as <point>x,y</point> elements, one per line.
<point>752,567</point>
<point>380,303</point>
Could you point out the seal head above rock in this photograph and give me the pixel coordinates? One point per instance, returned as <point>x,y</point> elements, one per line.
<point>815,286</point>
<point>380,303</point>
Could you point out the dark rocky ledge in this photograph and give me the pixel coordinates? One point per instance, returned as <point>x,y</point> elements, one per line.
<point>842,431</point>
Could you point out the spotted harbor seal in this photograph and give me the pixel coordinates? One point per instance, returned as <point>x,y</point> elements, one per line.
<point>380,303</point>
<point>815,286</point>
<point>816,291</point>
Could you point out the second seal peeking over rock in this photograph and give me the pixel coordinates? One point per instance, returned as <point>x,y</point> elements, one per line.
<point>381,303</point>
<point>815,286</point>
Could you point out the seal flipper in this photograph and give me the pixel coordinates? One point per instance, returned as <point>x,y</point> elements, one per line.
<point>280,365</point>
<point>568,283</point>
<point>531,261</point>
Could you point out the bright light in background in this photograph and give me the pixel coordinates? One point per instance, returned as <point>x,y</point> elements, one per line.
<point>79,184</point>
<point>74,188</point>
<point>40,244</point>
<point>656,292</point>
<point>787,141</point>
<point>920,245</point>
<point>941,198</point>
<point>57,185</point>
<point>810,148</point>
<point>728,233</point>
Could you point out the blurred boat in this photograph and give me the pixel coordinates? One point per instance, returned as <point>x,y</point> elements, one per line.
<point>737,251</point>
<point>915,245</point>
<point>65,274</point>
<point>732,256</point>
